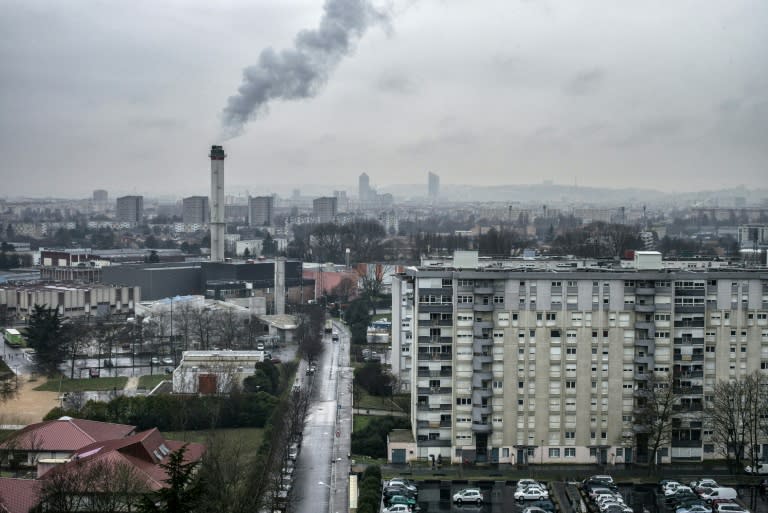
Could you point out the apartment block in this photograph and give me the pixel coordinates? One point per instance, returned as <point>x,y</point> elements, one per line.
<point>513,365</point>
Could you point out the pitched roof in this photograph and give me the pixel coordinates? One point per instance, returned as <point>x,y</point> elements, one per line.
<point>144,452</point>
<point>65,434</point>
<point>18,495</point>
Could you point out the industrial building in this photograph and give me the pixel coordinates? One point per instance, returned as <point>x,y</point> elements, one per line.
<point>214,372</point>
<point>509,364</point>
<point>70,300</point>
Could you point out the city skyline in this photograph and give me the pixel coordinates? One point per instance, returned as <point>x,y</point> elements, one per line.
<point>122,97</point>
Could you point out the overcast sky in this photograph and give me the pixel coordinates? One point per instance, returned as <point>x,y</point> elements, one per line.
<point>128,95</point>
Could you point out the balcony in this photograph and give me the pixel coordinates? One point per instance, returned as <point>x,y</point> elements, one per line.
<point>689,308</point>
<point>434,443</point>
<point>683,408</point>
<point>644,325</point>
<point>478,427</point>
<point>441,308</point>
<point>693,390</point>
<point>689,292</point>
<point>484,290</point>
<point>663,307</point>
<point>686,443</point>
<point>645,291</point>
<point>646,308</point>
<point>697,323</point>
<point>692,341</point>
<point>479,307</point>
<point>688,357</point>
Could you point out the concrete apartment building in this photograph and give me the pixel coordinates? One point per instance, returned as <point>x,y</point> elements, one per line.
<point>195,211</point>
<point>261,210</point>
<point>130,209</point>
<point>513,365</point>
<point>325,209</point>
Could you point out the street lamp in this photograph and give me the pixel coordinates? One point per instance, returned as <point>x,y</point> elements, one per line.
<point>330,494</point>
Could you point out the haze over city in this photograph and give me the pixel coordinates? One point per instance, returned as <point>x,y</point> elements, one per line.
<point>126,96</point>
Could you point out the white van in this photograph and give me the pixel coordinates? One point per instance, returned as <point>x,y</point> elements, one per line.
<point>719,493</point>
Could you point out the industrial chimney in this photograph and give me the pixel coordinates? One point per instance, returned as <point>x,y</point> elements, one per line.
<point>217,204</point>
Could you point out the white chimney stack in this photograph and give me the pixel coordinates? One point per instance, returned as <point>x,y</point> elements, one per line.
<point>217,204</point>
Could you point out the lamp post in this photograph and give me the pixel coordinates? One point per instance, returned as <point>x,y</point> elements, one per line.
<point>330,494</point>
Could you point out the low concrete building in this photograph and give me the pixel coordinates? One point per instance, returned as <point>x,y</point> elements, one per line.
<point>401,447</point>
<point>214,372</point>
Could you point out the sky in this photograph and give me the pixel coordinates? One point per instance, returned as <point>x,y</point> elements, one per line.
<point>130,95</point>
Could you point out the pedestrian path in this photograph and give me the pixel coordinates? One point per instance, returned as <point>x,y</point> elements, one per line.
<point>132,385</point>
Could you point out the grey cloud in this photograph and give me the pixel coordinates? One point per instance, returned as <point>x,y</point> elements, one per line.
<point>299,72</point>
<point>446,140</point>
<point>650,131</point>
<point>396,83</point>
<point>585,82</point>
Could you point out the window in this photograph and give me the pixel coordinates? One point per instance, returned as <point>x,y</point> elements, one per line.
<point>570,351</point>
<point>554,452</point>
<point>570,452</point>
<point>461,401</point>
<point>464,299</point>
<point>557,284</point>
<point>499,300</point>
<point>571,384</point>
<point>551,316</point>
<point>570,435</point>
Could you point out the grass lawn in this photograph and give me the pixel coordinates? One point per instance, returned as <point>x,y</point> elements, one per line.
<point>361,421</point>
<point>150,381</point>
<point>4,368</point>
<point>367,401</point>
<point>82,385</point>
<point>248,439</point>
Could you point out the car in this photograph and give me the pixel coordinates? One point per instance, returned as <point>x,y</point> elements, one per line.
<point>730,507</point>
<point>603,478</point>
<point>594,492</point>
<point>531,493</point>
<point>760,469</point>
<point>524,483</point>
<point>403,482</point>
<point>534,509</point>
<point>696,508</point>
<point>260,346</point>
<point>154,360</point>
<point>617,508</point>
<point>401,499</point>
<point>167,360</point>
<point>468,495</point>
<point>677,489</point>
<point>545,504</point>
<point>704,483</point>
<point>397,508</point>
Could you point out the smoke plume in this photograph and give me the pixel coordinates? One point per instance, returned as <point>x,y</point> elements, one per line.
<point>299,72</point>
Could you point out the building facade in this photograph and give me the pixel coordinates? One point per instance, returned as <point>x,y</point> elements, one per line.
<point>324,209</point>
<point>514,366</point>
<point>433,186</point>
<point>130,209</point>
<point>260,210</point>
<point>195,210</point>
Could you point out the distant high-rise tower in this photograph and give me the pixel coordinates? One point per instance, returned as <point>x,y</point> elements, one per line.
<point>130,209</point>
<point>325,209</point>
<point>433,186</point>
<point>217,203</point>
<point>195,210</point>
<point>363,188</point>
<point>100,195</point>
<point>260,210</point>
<point>342,202</point>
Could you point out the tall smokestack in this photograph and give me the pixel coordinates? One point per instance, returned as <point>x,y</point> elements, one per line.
<point>217,203</point>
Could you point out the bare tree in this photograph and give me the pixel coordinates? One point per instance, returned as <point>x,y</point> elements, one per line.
<point>204,327</point>
<point>185,315</point>
<point>78,341</point>
<point>372,281</point>
<point>656,405</point>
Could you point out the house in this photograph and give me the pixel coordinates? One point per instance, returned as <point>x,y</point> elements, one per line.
<point>100,476</point>
<point>18,495</point>
<point>57,439</point>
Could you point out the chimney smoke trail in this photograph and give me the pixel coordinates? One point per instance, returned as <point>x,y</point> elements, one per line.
<point>301,71</point>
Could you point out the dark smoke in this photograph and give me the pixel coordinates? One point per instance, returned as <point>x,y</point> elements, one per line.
<point>299,72</point>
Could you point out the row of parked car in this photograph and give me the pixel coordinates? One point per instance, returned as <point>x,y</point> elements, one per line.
<point>602,491</point>
<point>701,496</point>
<point>400,495</point>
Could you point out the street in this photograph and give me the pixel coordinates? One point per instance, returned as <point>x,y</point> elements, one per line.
<point>322,468</point>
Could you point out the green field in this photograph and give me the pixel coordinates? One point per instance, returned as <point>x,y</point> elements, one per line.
<point>149,381</point>
<point>248,439</point>
<point>361,421</point>
<point>82,385</point>
<point>366,401</point>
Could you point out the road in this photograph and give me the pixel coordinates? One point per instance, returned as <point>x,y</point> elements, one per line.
<point>322,468</point>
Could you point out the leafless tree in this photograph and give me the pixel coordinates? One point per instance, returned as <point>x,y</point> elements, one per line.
<point>372,281</point>
<point>184,322</point>
<point>204,327</point>
<point>227,323</point>
<point>79,339</point>
<point>656,406</point>
<point>92,486</point>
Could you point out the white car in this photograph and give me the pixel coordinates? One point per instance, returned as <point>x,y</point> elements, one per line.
<point>730,507</point>
<point>761,469</point>
<point>525,483</point>
<point>468,495</point>
<point>704,483</point>
<point>531,493</point>
<point>677,489</point>
<point>167,361</point>
<point>397,508</point>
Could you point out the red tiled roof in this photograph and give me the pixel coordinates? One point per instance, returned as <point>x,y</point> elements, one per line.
<point>143,451</point>
<point>18,495</point>
<point>65,434</point>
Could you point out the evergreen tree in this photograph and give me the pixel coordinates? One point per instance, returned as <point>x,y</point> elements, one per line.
<point>183,491</point>
<point>47,336</point>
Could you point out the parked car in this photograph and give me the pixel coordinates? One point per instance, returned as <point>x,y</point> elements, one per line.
<point>402,499</point>
<point>397,508</point>
<point>468,495</point>
<point>675,489</point>
<point>761,469</point>
<point>704,483</point>
<point>534,509</point>
<point>154,360</point>
<point>531,493</point>
<point>524,483</point>
<point>167,360</point>
<point>399,481</point>
<point>719,493</point>
<point>696,508</point>
<point>730,507</point>
<point>545,504</point>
